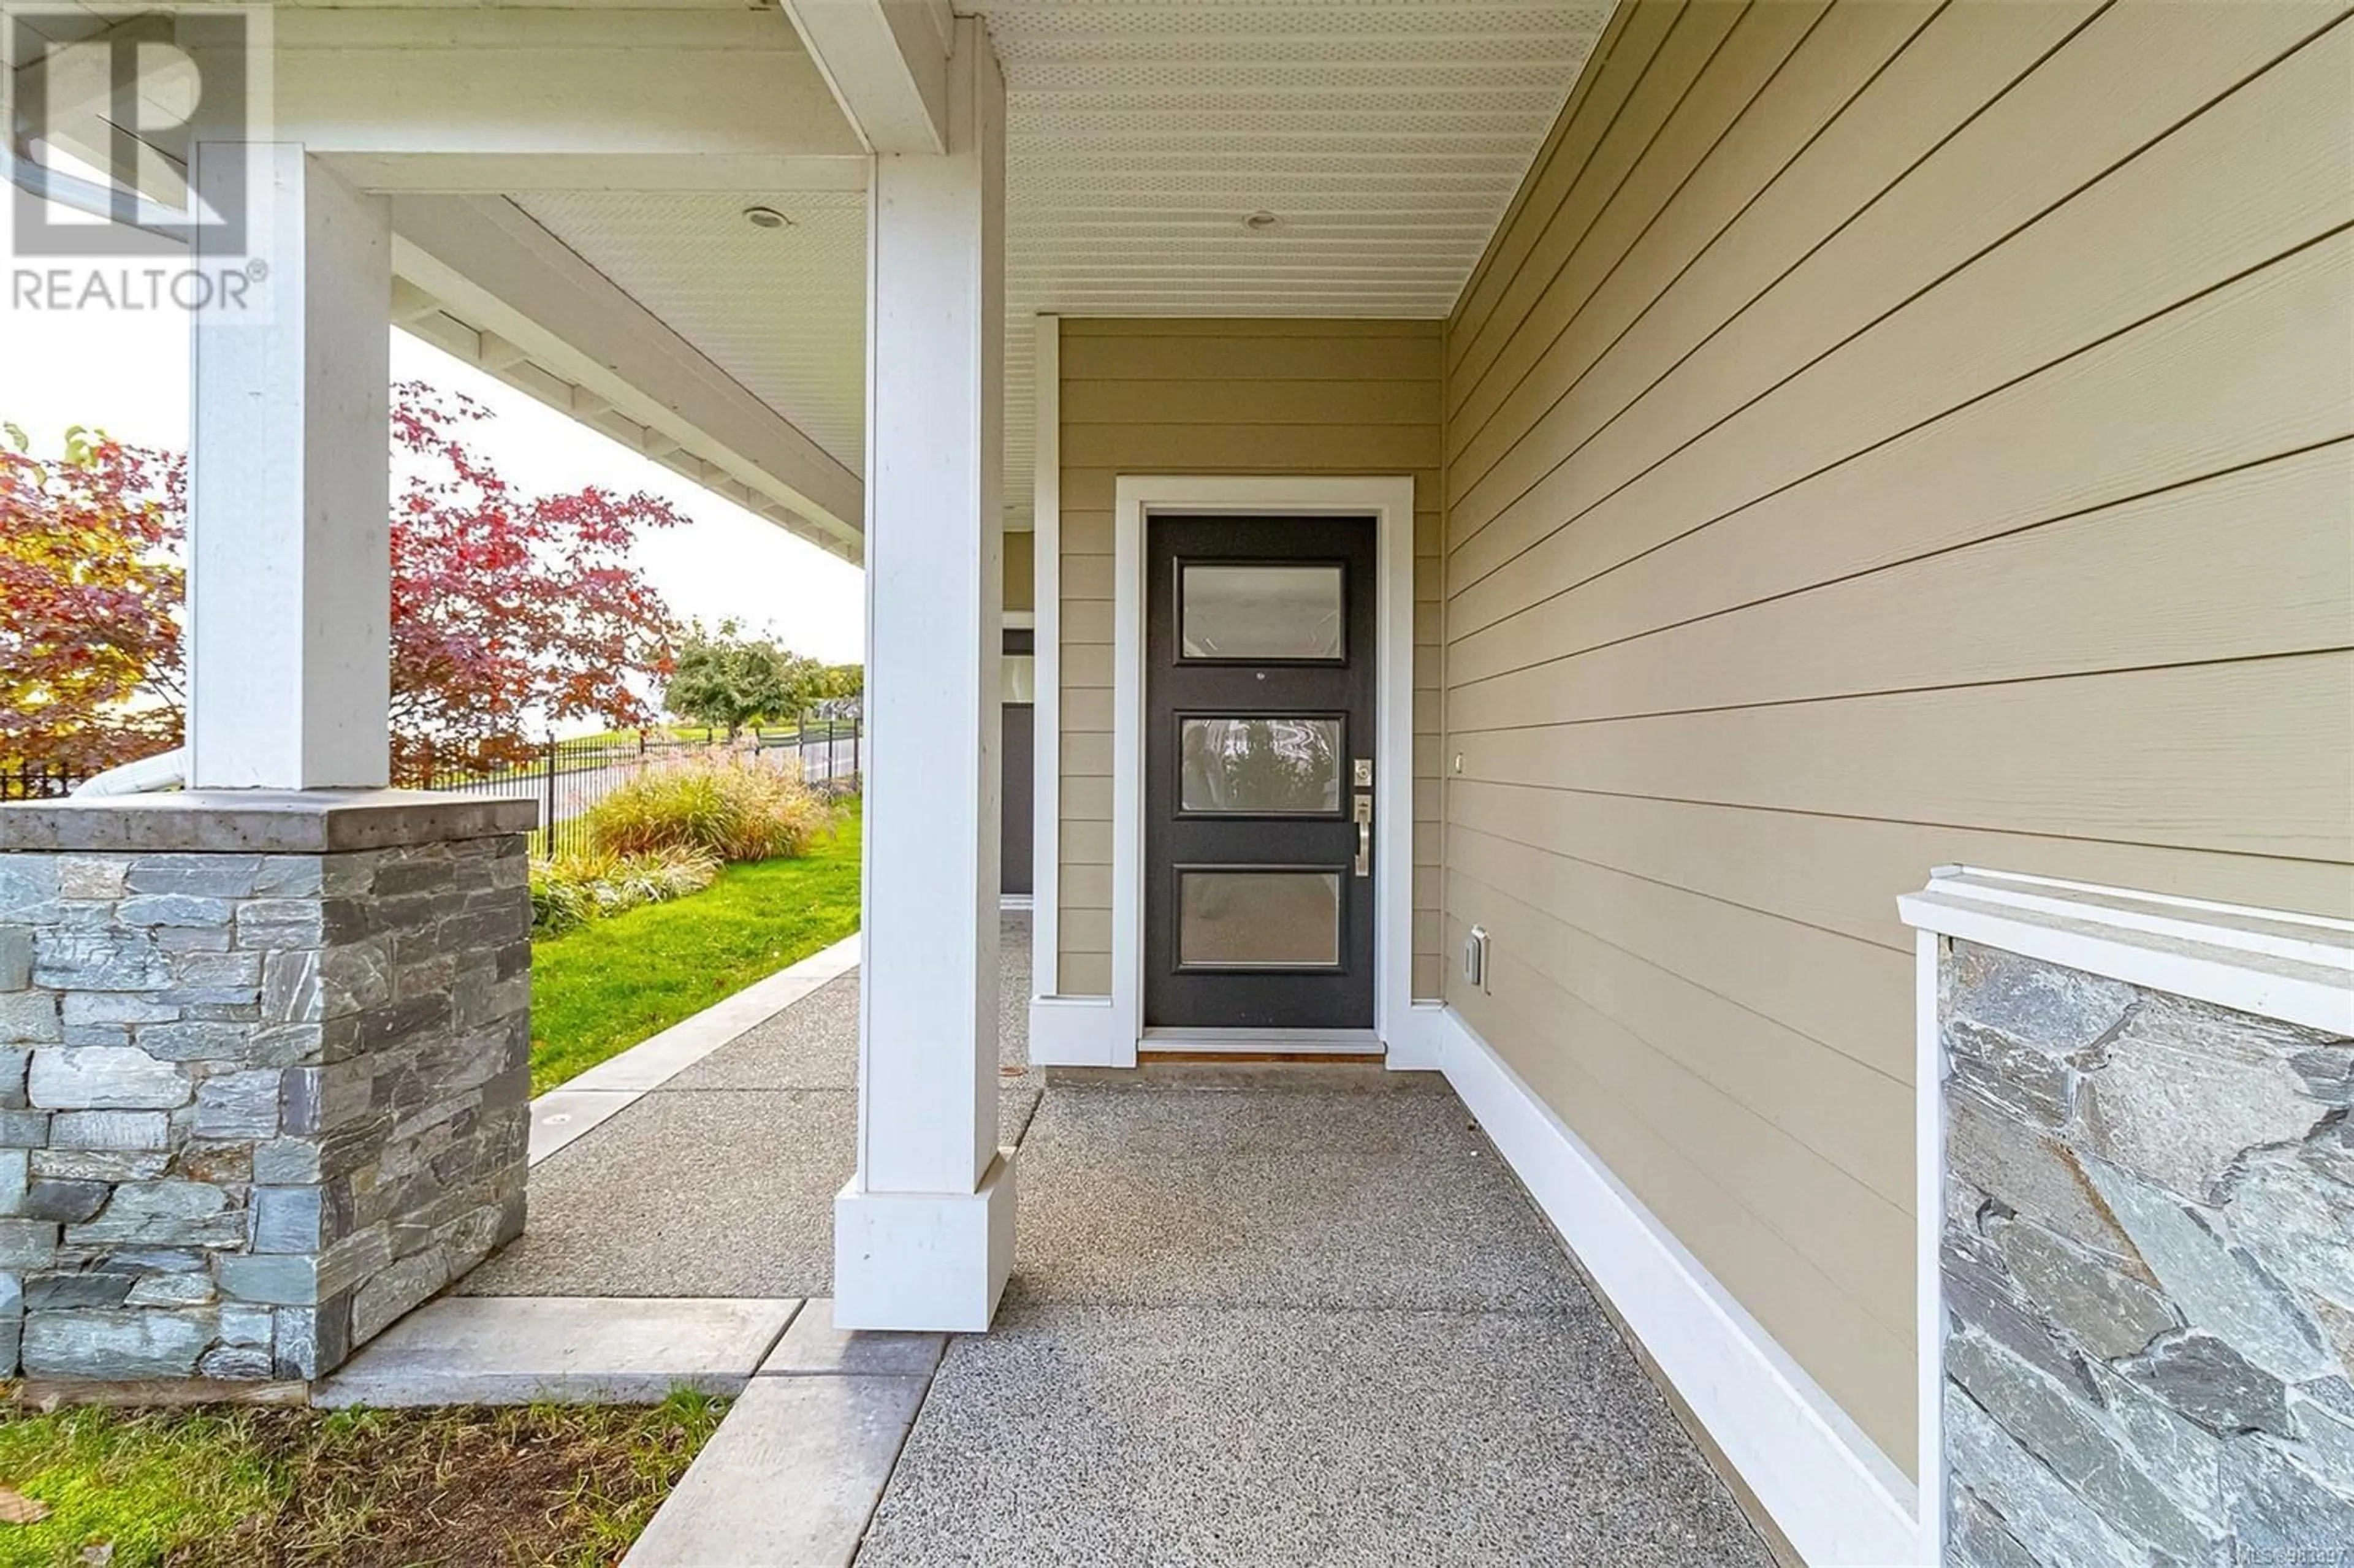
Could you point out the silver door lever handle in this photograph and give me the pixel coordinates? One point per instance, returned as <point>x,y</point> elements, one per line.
<point>1364,835</point>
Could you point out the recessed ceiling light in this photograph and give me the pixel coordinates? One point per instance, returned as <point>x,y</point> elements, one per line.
<point>766,218</point>
<point>1259,219</point>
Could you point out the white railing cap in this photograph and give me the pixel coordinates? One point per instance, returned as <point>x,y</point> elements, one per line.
<point>2276,964</point>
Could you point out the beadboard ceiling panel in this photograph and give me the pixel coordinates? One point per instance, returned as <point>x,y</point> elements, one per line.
<point>783,311</point>
<point>1385,140</point>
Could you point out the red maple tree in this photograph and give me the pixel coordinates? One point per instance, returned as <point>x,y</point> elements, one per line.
<point>510,612</point>
<point>89,597</point>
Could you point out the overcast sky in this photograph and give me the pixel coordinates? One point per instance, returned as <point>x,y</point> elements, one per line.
<point>128,374</point>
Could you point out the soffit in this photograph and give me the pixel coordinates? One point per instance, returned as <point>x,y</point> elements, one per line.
<point>1387,139</point>
<point>783,309</point>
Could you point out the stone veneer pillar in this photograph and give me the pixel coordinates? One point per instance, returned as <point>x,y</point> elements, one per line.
<point>2145,1230</point>
<point>264,1077</point>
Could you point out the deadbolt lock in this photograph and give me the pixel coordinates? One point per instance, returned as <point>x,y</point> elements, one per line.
<point>1364,772</point>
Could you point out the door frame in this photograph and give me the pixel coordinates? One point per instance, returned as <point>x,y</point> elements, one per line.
<point>1389,500</point>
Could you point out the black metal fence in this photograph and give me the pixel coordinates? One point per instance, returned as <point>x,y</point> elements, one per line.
<point>568,776</point>
<point>37,782</point>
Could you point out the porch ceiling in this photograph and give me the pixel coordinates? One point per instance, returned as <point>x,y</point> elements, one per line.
<point>1385,136</point>
<point>782,310</point>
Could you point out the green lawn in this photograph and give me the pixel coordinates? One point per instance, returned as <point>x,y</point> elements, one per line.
<point>599,989</point>
<point>237,1487</point>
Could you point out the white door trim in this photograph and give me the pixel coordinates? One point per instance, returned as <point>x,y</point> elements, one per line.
<point>1389,500</point>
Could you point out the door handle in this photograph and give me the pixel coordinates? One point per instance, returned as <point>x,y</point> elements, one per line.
<point>1364,835</point>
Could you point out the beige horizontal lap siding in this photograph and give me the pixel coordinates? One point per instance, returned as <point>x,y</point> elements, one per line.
<point>1886,434</point>
<point>1021,587</point>
<point>1167,397</point>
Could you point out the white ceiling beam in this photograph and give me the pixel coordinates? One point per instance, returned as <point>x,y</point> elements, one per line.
<point>410,304</point>
<point>476,100</point>
<point>474,174</point>
<point>483,99</point>
<point>578,340</point>
<point>76,87</point>
<point>887,64</point>
<point>496,356</point>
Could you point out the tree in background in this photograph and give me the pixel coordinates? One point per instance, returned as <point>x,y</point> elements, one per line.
<point>723,679</point>
<point>89,597</point>
<point>509,612</point>
<point>843,684</point>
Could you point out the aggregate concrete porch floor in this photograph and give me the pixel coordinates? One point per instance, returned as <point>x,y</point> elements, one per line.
<point>1257,1318</point>
<point>1291,1325</point>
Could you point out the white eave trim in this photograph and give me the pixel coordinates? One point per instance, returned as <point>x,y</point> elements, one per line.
<point>2298,969</point>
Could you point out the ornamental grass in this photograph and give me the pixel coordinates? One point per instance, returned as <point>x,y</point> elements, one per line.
<point>732,807</point>
<point>580,886</point>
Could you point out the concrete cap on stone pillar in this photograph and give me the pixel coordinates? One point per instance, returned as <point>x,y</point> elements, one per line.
<point>266,822</point>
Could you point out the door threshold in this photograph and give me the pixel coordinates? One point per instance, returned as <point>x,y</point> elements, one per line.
<point>1226,1056</point>
<point>1166,1041</point>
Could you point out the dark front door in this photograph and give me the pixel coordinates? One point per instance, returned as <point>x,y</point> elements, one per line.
<point>1016,826</point>
<point>1259,703</point>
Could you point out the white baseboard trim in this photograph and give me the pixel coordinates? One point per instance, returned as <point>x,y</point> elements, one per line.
<point>1416,1042</point>
<point>1836,1498</point>
<point>1076,1032</point>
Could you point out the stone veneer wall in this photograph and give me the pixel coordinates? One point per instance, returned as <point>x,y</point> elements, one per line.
<point>2148,1268</point>
<point>253,1107</point>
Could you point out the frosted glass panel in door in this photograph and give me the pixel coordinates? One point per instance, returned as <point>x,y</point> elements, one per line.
<point>1256,766</point>
<point>1279,611</point>
<point>1238,919</point>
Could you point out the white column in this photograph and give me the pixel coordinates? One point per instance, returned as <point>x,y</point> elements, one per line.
<point>924,1233</point>
<point>289,557</point>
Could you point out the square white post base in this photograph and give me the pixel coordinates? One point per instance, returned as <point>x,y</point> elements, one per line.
<point>927,1261</point>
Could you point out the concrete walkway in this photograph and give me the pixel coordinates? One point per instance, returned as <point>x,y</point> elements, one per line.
<point>719,1181</point>
<point>680,1209</point>
<point>1258,1317</point>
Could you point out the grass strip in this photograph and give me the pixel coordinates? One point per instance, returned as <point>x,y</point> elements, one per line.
<point>547,1486</point>
<point>599,989</point>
